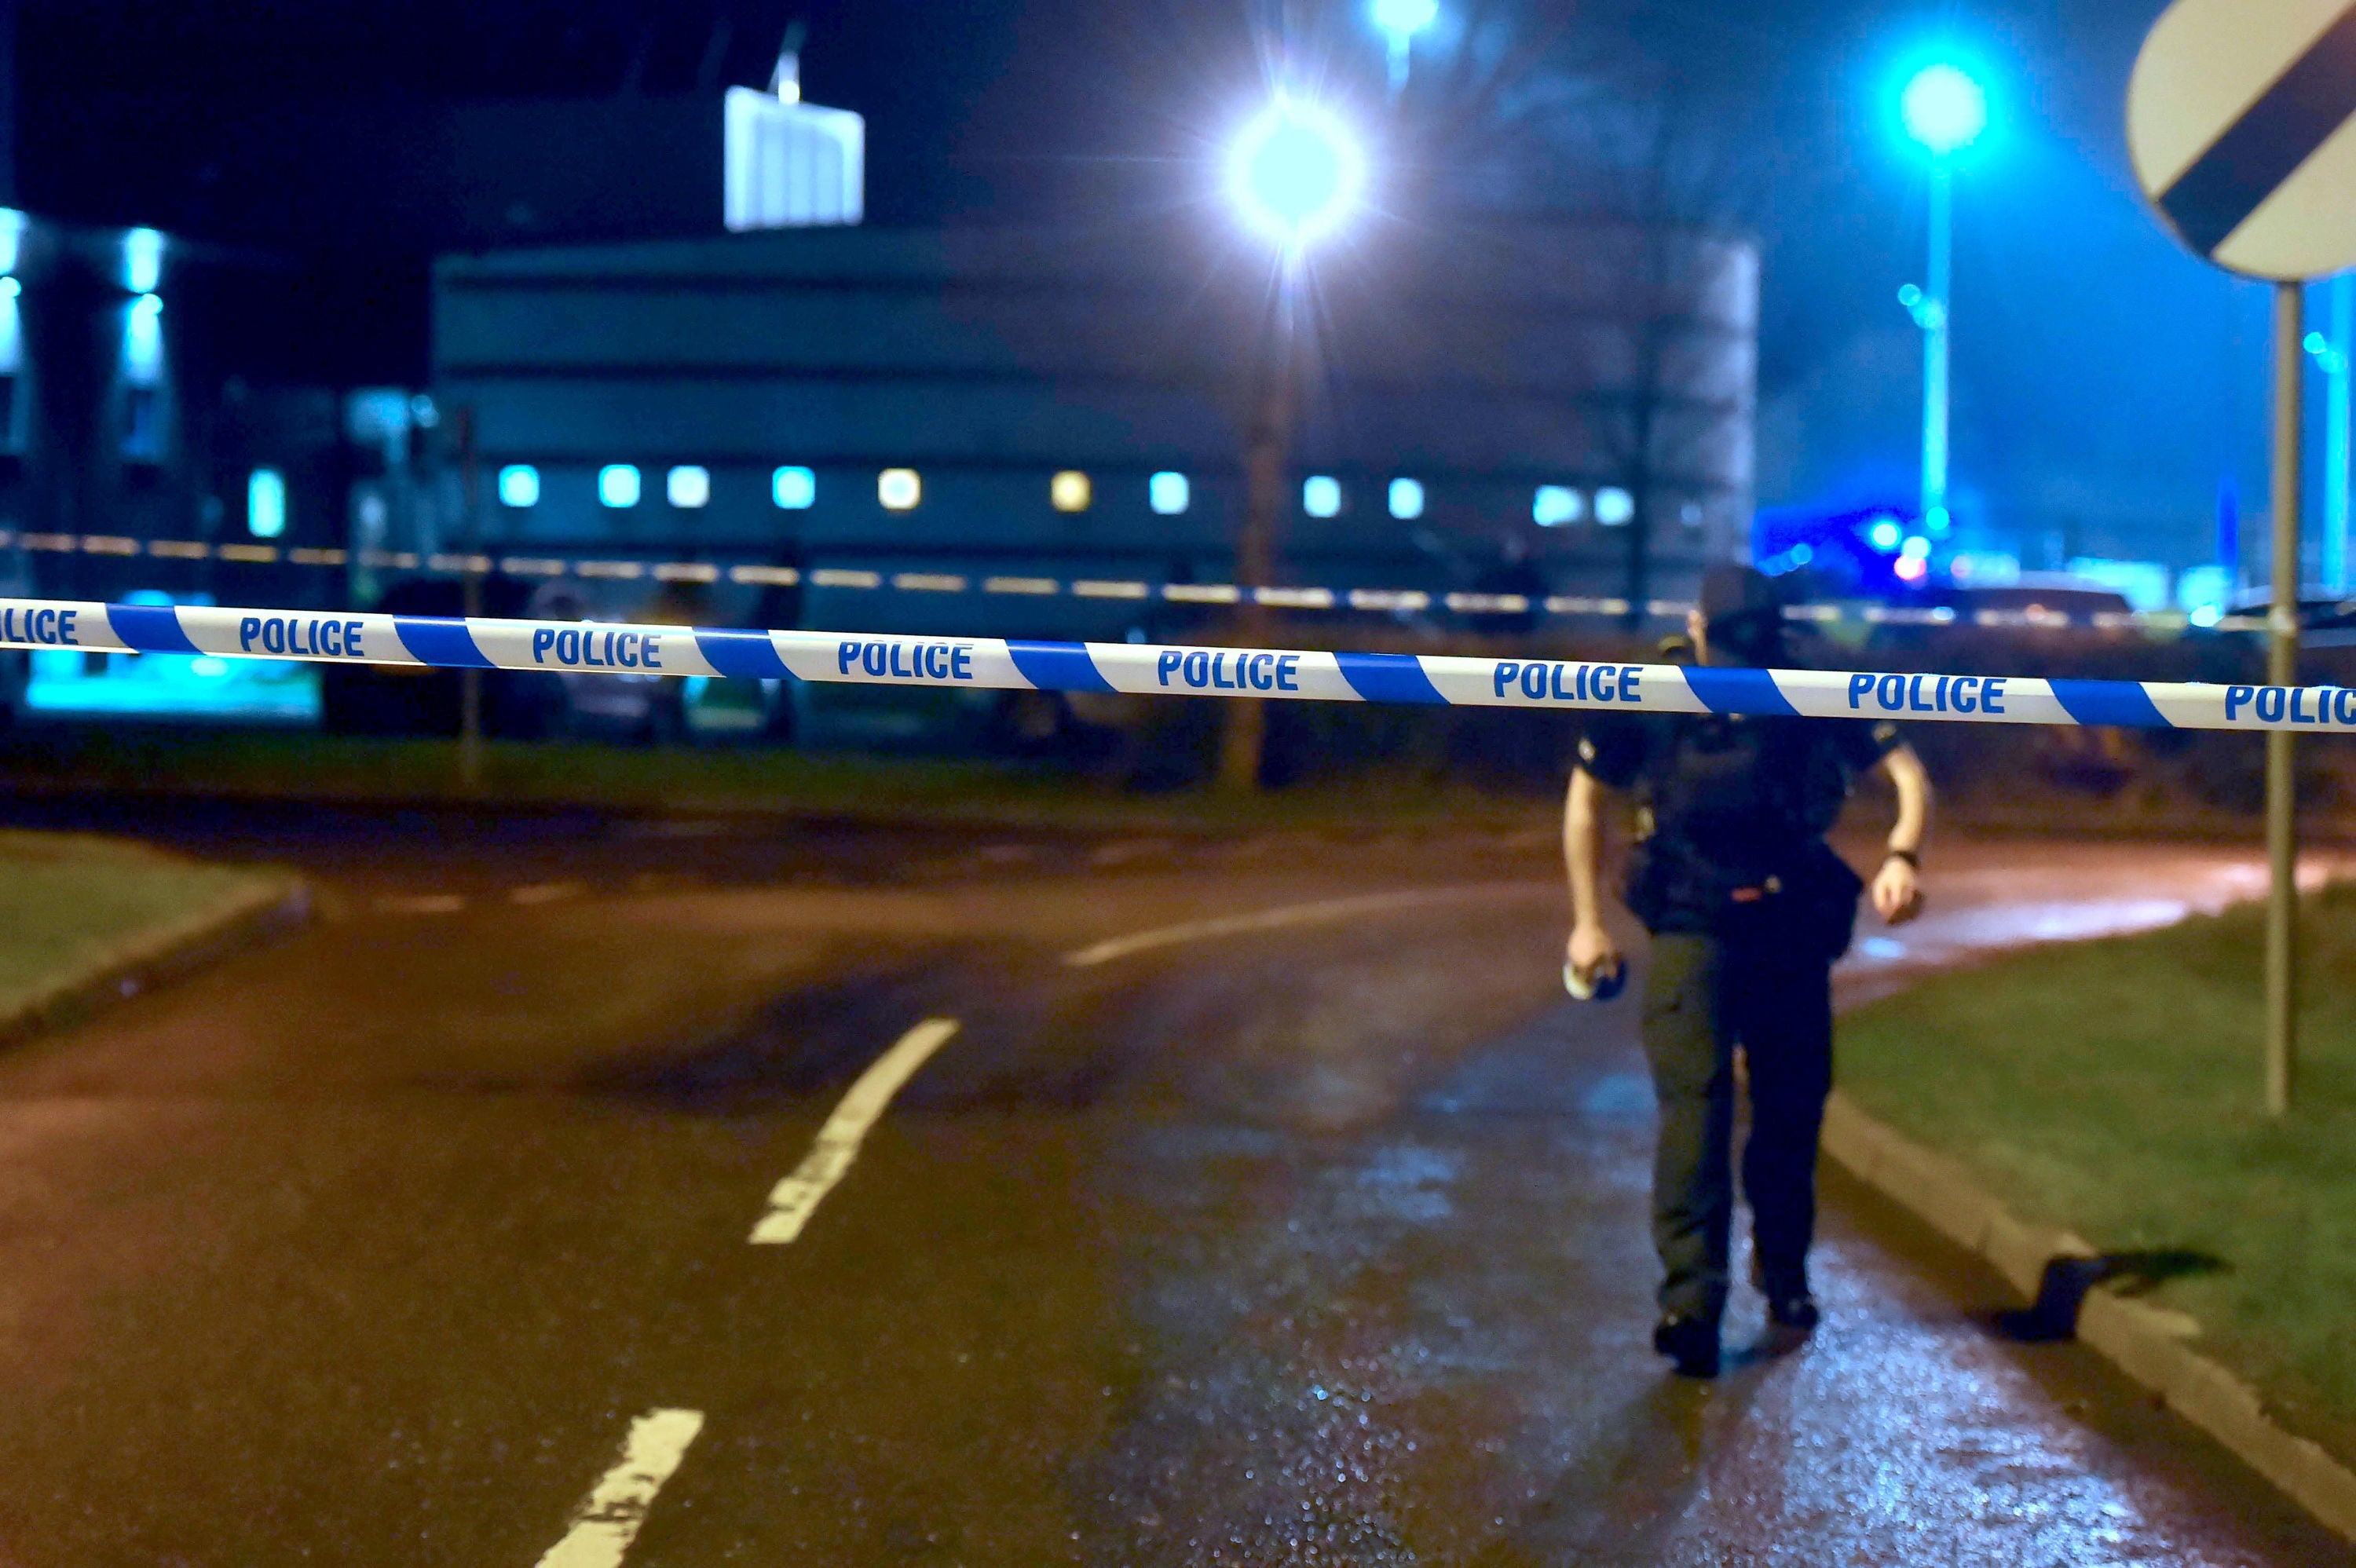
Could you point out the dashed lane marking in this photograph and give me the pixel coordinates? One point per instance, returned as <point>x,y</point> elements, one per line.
<point>608,1519</point>
<point>1323,912</point>
<point>421,903</point>
<point>545,892</point>
<point>792,1200</point>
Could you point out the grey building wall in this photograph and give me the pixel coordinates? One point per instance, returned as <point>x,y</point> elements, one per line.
<point>1483,362</point>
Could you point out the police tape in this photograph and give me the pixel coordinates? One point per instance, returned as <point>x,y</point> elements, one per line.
<point>578,647</point>
<point>1310,598</point>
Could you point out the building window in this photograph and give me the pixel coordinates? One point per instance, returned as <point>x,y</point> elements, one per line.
<point>1407,498</point>
<point>1168,493</point>
<point>793,489</point>
<point>1615,507</point>
<point>687,486</point>
<point>1070,491</point>
<point>899,489</point>
<point>1557,505</point>
<point>143,424</point>
<point>618,485</point>
<point>1321,496</point>
<point>266,502</point>
<point>518,486</point>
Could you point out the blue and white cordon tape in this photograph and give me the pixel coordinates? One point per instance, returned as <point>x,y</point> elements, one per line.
<point>990,663</point>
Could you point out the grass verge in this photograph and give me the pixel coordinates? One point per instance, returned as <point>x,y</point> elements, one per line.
<point>2113,1087</point>
<point>304,765</point>
<point>80,906</point>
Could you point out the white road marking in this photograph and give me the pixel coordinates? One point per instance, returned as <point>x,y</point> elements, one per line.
<point>544,892</point>
<point>1323,912</point>
<point>792,1200</point>
<point>608,1521</point>
<point>421,903</point>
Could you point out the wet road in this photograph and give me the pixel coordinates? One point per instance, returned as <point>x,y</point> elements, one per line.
<point>1264,1204</point>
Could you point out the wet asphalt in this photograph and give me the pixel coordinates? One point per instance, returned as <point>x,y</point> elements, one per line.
<point>1316,1241</point>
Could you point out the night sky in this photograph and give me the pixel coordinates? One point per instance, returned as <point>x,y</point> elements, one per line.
<point>2107,384</point>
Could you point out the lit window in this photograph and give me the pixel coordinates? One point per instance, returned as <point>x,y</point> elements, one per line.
<point>1070,491</point>
<point>1321,496</point>
<point>1555,505</point>
<point>793,489</point>
<point>1407,498</point>
<point>899,489</point>
<point>518,486</point>
<point>618,485</point>
<point>687,486</point>
<point>1615,507</point>
<point>266,502</point>
<point>1168,493</point>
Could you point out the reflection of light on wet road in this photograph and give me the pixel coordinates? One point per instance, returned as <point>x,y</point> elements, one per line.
<point>1987,899</point>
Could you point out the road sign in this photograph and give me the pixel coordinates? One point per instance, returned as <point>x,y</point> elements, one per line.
<point>2242,124</point>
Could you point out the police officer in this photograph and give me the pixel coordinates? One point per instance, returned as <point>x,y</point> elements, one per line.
<point>1748,908</point>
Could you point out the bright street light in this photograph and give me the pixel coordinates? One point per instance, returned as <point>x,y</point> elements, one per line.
<point>1296,172</point>
<point>1400,21</point>
<point>1944,109</point>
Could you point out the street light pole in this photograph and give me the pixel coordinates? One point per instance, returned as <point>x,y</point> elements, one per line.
<point>1267,459</point>
<point>1296,173</point>
<point>2335,363</point>
<point>1945,111</point>
<point>1935,328</point>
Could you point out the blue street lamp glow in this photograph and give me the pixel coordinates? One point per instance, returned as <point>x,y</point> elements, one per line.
<point>1405,18</point>
<point>1944,109</point>
<point>1296,172</point>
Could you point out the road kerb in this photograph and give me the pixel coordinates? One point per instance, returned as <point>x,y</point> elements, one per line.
<point>2143,1341</point>
<point>161,954</point>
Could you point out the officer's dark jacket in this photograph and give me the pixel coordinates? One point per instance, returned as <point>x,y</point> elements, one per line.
<point>1733,814</point>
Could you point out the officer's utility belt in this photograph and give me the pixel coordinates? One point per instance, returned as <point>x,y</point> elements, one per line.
<point>1807,908</point>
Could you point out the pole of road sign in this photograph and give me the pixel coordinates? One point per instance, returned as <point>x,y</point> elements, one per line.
<point>2236,116</point>
<point>2282,669</point>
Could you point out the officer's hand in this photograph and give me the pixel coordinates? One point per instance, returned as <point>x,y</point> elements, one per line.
<point>1591,950</point>
<point>1897,891</point>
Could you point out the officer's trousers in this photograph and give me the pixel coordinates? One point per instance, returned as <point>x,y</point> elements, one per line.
<point>1703,997</point>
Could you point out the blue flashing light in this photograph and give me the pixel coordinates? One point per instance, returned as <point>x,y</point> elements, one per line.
<point>1944,109</point>
<point>794,488</point>
<point>1296,172</point>
<point>1615,507</point>
<point>10,288</point>
<point>618,484</point>
<point>266,504</point>
<point>1407,498</point>
<point>688,485</point>
<point>1168,493</point>
<point>1321,496</point>
<point>518,486</point>
<point>1885,535</point>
